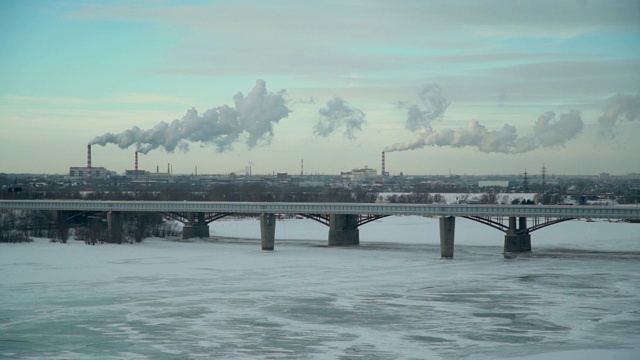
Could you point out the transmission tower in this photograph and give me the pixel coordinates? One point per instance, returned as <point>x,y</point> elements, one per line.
<point>544,178</point>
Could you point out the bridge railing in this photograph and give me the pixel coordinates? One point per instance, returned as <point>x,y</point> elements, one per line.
<point>558,211</point>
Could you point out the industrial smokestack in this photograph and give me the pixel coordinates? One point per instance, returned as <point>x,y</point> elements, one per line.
<point>302,167</point>
<point>136,165</point>
<point>383,171</point>
<point>168,168</point>
<point>89,161</point>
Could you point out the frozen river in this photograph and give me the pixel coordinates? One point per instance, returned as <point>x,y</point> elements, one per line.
<point>577,295</point>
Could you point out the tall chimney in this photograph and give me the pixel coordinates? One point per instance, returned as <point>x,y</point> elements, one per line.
<point>136,168</point>
<point>89,161</point>
<point>302,167</point>
<point>383,169</point>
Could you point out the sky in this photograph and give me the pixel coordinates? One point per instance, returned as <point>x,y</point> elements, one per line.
<point>461,87</point>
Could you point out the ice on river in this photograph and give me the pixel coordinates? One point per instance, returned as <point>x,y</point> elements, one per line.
<point>576,296</point>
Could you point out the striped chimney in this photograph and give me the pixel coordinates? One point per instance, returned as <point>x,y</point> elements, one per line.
<point>89,162</point>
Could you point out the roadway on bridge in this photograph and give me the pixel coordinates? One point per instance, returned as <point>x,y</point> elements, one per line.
<point>558,211</point>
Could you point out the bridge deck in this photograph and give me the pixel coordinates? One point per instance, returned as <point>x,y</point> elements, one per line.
<point>558,211</point>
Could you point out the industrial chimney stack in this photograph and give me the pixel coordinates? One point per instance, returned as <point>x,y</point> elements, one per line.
<point>136,166</point>
<point>89,162</point>
<point>383,168</point>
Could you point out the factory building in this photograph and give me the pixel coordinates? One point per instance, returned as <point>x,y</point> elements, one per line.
<point>360,174</point>
<point>137,174</point>
<point>88,172</point>
<point>96,173</point>
<point>143,175</point>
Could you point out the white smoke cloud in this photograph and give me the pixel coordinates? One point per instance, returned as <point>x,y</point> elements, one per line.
<point>474,134</point>
<point>434,106</point>
<point>548,130</point>
<point>336,114</point>
<point>251,119</point>
<point>620,107</point>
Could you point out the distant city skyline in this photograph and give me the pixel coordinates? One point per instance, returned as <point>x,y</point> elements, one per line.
<point>473,87</point>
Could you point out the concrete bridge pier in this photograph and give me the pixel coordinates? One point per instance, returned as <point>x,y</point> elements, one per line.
<point>447,232</point>
<point>343,230</point>
<point>196,227</point>
<point>61,218</point>
<point>66,216</point>
<point>268,231</point>
<point>517,238</point>
<point>114,226</point>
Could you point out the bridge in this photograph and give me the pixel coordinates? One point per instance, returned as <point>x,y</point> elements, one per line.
<point>343,219</point>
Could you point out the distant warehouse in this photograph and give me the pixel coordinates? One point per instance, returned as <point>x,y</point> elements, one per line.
<point>77,172</point>
<point>496,183</point>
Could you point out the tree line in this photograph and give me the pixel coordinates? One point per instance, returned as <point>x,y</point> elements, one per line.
<point>92,228</point>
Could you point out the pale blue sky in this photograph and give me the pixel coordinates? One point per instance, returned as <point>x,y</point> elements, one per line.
<point>74,70</point>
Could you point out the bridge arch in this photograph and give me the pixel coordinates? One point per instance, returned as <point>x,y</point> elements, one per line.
<point>325,219</point>
<point>498,223</point>
<point>184,217</point>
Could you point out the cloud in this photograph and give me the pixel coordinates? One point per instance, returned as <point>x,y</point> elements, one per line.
<point>434,104</point>
<point>336,114</point>
<point>621,107</point>
<point>51,100</point>
<point>251,119</point>
<point>338,18</point>
<point>138,98</point>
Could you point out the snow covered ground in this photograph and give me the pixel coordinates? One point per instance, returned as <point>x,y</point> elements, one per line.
<point>574,297</point>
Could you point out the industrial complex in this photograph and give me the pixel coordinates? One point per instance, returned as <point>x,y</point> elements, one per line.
<point>600,188</point>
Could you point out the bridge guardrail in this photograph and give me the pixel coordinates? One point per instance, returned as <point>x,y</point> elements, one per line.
<point>561,211</point>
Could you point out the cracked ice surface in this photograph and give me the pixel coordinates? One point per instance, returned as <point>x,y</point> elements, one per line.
<point>574,297</point>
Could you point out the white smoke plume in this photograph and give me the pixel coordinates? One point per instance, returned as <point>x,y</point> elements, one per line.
<point>474,134</point>
<point>336,114</point>
<point>620,107</point>
<point>548,131</point>
<point>251,120</point>
<point>435,104</point>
